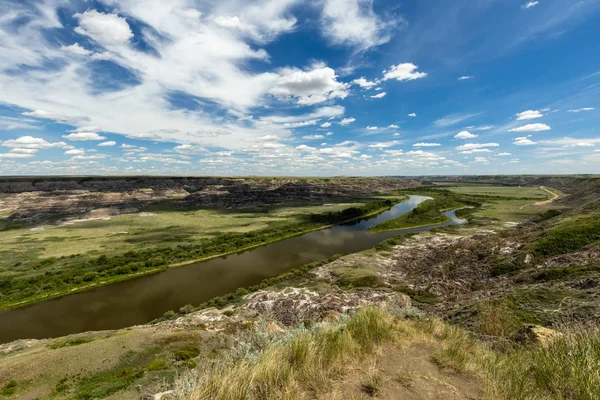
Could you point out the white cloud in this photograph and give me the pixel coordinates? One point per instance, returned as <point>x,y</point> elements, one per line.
<point>329,134</point>
<point>372,128</point>
<point>426,145</point>
<point>309,87</point>
<point>393,126</point>
<point>412,114</point>
<point>465,135</point>
<point>571,142</point>
<point>364,83</point>
<point>55,116</point>
<point>403,72</point>
<point>76,49</point>
<point>523,141</point>
<point>107,144</point>
<point>531,128</point>
<point>378,95</point>
<point>29,142</point>
<point>530,4</point>
<point>465,77</point>
<point>313,137</point>
<point>326,124</point>
<point>84,136</point>
<point>106,29</point>
<point>471,146</point>
<point>576,110</point>
<point>28,146</point>
<point>504,154</point>
<point>354,23</point>
<point>529,114</point>
<point>306,148</point>
<point>347,121</point>
<point>75,152</point>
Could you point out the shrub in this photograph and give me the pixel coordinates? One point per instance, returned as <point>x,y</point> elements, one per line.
<point>187,353</point>
<point>157,365</point>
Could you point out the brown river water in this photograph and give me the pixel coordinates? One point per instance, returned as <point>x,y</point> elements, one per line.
<point>140,300</point>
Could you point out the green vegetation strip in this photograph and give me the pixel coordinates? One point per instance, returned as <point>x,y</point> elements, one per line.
<point>71,274</point>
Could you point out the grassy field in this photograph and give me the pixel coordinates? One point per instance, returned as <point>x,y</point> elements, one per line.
<point>158,224</point>
<point>528,192</point>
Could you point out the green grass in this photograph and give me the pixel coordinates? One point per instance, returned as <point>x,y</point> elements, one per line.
<point>524,192</point>
<point>569,235</point>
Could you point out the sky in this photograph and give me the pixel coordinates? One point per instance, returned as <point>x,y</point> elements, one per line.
<point>299,88</point>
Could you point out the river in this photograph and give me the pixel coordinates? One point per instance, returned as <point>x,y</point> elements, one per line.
<point>139,300</point>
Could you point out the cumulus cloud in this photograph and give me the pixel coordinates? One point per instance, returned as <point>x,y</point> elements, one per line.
<point>465,77</point>
<point>523,141</point>
<point>504,154</point>
<point>393,126</point>
<point>354,23</point>
<point>379,95</point>
<point>347,121</point>
<point>364,83</point>
<point>531,128</point>
<point>372,128</point>
<point>403,72</point>
<point>107,144</point>
<point>412,114</point>
<point>465,135</point>
<point>84,136</point>
<point>28,146</point>
<point>529,114</point>
<point>326,124</point>
<point>106,29</point>
<point>309,87</point>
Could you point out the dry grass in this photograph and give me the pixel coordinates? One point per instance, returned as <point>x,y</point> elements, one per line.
<point>305,363</point>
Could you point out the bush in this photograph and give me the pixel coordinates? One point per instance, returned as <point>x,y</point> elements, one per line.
<point>187,353</point>
<point>157,365</point>
<point>9,389</point>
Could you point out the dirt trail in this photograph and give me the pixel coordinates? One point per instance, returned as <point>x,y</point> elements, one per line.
<point>410,373</point>
<point>545,202</point>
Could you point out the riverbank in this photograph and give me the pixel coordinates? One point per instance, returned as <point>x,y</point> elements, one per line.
<point>135,261</point>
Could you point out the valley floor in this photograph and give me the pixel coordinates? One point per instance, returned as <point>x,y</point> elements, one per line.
<point>504,308</point>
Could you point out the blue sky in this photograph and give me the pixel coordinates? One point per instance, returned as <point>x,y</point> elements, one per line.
<point>290,87</point>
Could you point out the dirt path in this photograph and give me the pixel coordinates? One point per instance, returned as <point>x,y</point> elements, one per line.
<point>411,374</point>
<point>545,202</point>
